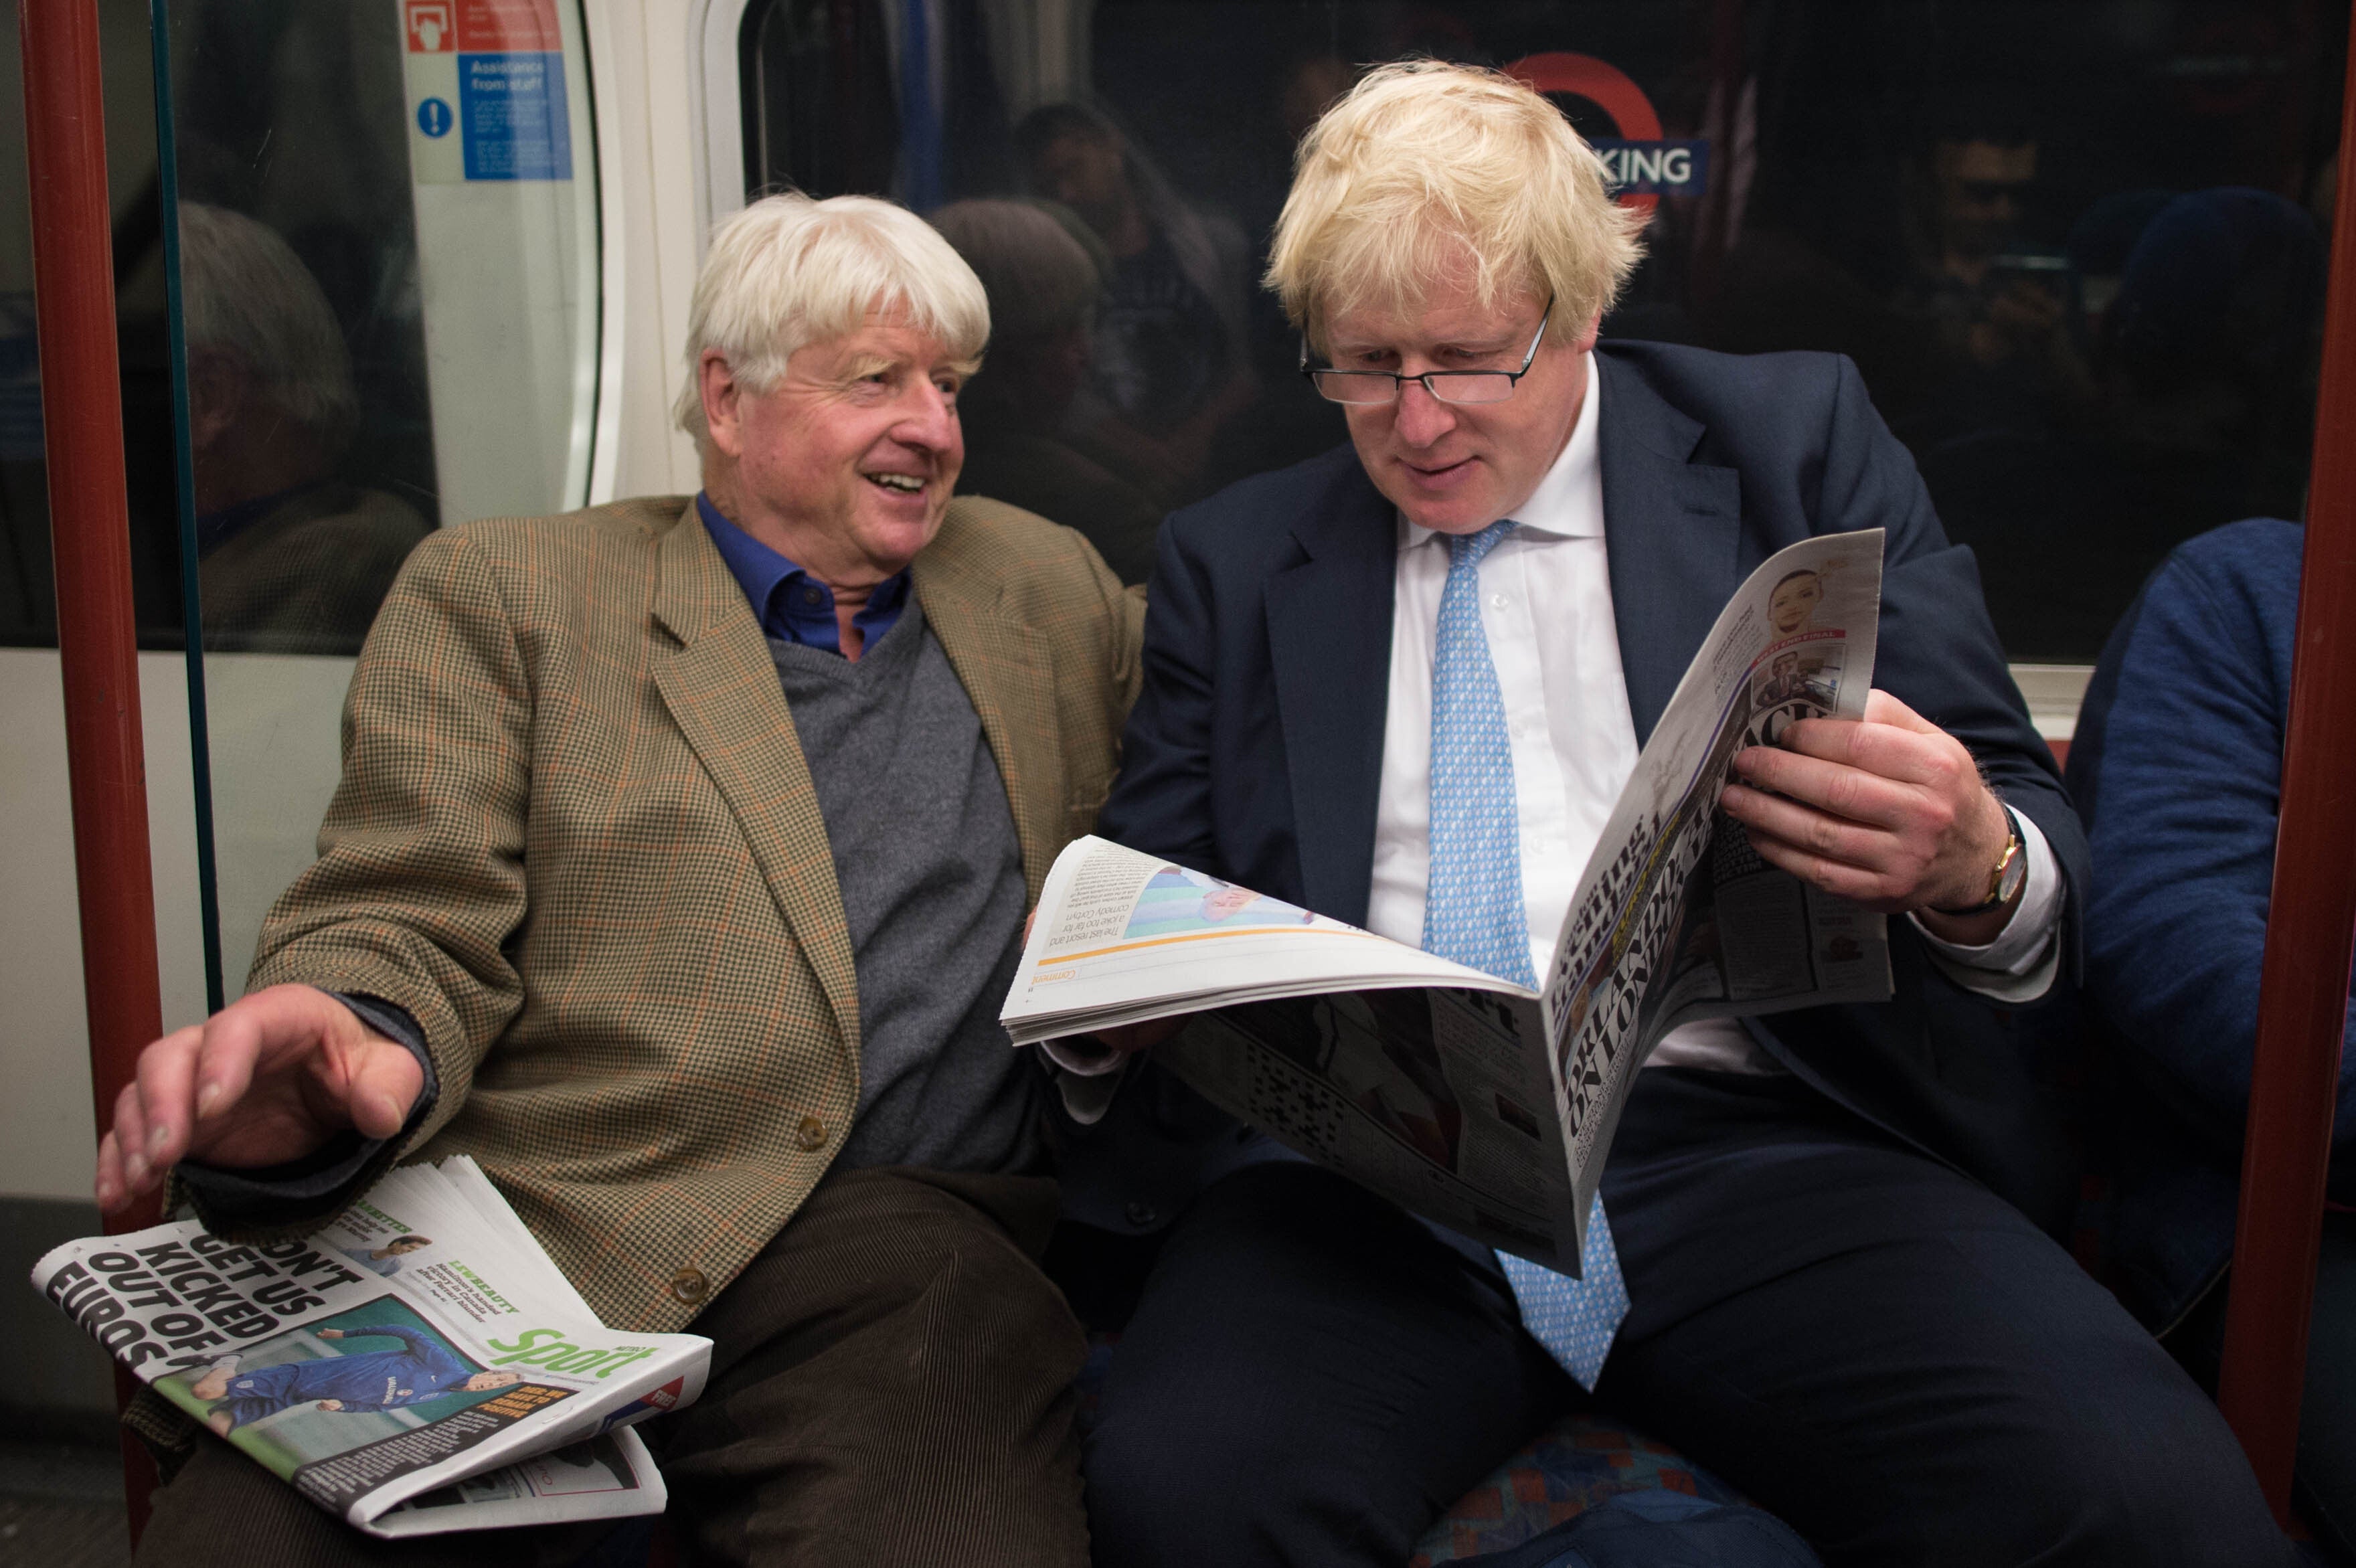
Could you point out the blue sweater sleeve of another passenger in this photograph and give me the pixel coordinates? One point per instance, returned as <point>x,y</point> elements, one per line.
<point>2184,731</point>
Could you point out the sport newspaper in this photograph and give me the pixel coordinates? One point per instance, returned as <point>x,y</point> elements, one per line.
<point>353,1349</point>
<point>1429,1082</point>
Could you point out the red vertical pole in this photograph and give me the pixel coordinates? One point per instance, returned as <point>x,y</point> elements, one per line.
<point>81,418</point>
<point>2310,925</point>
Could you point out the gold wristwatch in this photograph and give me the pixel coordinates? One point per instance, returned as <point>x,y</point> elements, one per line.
<point>2011,870</point>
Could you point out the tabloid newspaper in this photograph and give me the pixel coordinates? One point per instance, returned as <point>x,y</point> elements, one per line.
<point>1485,1106</point>
<point>417,1366</point>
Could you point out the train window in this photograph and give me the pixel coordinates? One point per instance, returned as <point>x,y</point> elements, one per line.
<point>388,247</point>
<point>2076,251</point>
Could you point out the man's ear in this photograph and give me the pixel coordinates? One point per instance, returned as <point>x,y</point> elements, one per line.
<point>1587,335</point>
<point>723,393</point>
<point>219,387</point>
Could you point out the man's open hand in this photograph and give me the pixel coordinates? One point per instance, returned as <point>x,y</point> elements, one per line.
<point>1889,812</point>
<point>268,1079</point>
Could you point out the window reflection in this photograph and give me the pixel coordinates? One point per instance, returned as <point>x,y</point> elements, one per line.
<point>290,558</point>
<point>2076,252</point>
<point>1168,368</point>
<point>1044,270</point>
<point>290,115</point>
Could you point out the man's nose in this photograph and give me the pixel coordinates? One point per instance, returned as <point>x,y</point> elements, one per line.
<point>1422,419</point>
<point>928,418</point>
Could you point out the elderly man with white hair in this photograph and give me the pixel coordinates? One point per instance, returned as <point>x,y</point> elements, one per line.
<point>1403,685</point>
<point>677,874</point>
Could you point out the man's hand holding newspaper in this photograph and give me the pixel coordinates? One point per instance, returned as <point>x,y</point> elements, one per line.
<point>1890,813</point>
<point>1488,1106</point>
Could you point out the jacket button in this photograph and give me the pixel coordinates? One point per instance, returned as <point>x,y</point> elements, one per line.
<point>689,1286</point>
<point>810,1134</point>
<point>1142,1214</point>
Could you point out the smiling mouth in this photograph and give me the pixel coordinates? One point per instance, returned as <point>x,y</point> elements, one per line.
<point>898,483</point>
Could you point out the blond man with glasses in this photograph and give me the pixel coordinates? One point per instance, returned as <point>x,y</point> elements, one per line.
<point>1402,685</point>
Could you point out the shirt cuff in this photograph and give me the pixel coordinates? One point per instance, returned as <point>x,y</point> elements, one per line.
<point>1087,1075</point>
<point>2020,964</point>
<point>1082,1054</point>
<point>325,1180</point>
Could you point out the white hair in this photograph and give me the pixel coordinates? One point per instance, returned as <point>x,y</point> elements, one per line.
<point>244,291</point>
<point>788,272</point>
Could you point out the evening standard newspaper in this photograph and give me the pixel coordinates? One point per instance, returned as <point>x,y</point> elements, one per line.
<point>1480,1104</point>
<point>417,1366</point>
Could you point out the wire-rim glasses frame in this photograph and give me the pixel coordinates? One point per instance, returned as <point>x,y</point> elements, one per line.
<point>1460,386</point>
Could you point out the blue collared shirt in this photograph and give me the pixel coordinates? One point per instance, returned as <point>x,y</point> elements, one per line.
<point>790,603</point>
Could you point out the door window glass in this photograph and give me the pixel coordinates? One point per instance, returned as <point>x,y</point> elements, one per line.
<point>388,247</point>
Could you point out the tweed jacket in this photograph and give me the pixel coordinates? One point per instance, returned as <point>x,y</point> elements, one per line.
<point>577,838</point>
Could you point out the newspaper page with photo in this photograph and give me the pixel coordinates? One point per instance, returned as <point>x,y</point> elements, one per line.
<point>1479,1103</point>
<point>1676,918</point>
<point>416,1366</point>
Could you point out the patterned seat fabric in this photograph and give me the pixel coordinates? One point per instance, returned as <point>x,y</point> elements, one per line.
<point>1569,1468</point>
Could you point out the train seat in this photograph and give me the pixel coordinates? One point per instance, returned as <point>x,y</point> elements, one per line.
<point>1572,1466</point>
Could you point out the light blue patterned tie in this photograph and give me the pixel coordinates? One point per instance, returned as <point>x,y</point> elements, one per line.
<point>1473,913</point>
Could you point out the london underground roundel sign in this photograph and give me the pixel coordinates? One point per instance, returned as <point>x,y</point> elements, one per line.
<point>1642,164</point>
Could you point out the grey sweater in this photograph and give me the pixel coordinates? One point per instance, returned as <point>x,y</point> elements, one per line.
<point>931,873</point>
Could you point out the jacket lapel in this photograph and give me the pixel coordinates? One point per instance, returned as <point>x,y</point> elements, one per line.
<point>1329,635</point>
<point>1671,529</point>
<point>1005,669</point>
<point>722,688</point>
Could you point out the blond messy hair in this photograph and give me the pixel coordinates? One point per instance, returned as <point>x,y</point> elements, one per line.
<point>1428,172</point>
<point>788,272</point>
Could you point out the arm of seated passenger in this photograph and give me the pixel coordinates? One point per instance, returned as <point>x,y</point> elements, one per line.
<point>418,886</point>
<point>2178,766</point>
<point>1088,1074</point>
<point>324,1182</point>
<point>2019,965</point>
<point>1092,1064</point>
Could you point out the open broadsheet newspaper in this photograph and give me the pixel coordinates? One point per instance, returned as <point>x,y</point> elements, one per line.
<point>1480,1104</point>
<point>417,1366</point>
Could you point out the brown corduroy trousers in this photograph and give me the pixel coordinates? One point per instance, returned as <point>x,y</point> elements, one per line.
<point>891,1384</point>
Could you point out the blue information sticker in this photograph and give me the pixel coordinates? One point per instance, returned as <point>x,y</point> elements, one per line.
<point>512,106</point>
<point>433,118</point>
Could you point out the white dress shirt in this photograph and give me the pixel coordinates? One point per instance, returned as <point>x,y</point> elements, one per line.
<point>1545,606</point>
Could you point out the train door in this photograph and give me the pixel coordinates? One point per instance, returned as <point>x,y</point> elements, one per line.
<point>389,298</point>
<point>370,269</point>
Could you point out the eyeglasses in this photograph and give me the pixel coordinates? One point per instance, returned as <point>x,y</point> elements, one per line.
<point>1447,386</point>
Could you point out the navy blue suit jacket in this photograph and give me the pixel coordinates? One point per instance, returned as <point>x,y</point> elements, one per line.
<point>1255,750</point>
